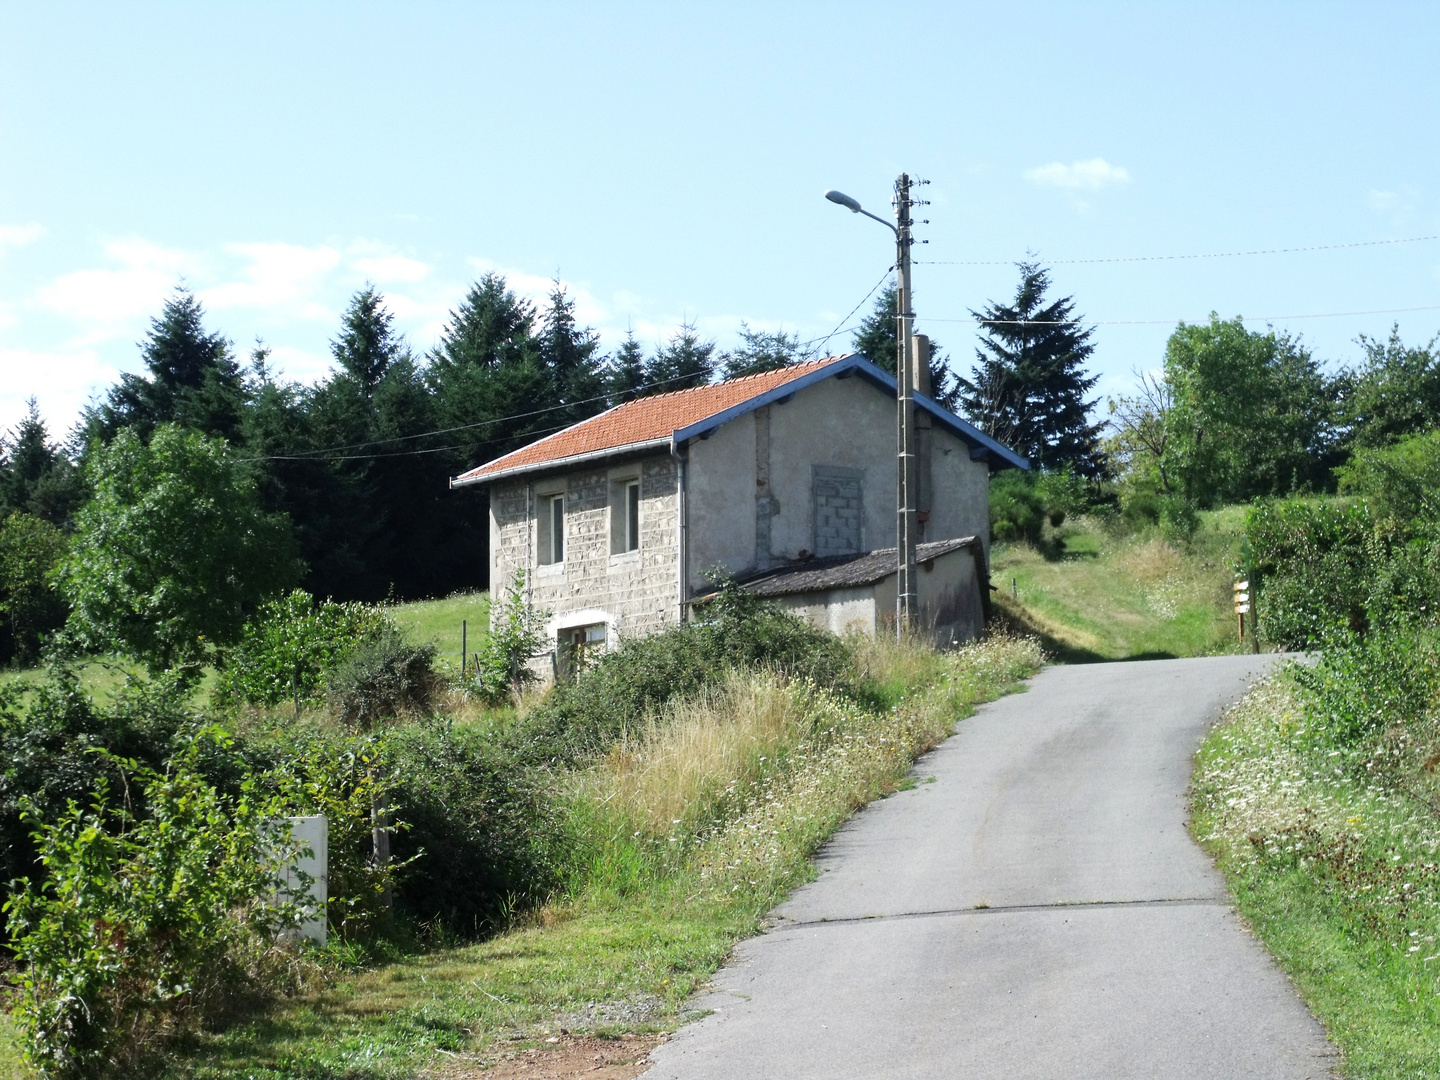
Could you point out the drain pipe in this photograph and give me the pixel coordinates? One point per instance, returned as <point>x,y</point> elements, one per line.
<point>683,538</point>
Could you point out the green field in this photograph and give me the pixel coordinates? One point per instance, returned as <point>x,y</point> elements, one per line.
<point>1090,594</point>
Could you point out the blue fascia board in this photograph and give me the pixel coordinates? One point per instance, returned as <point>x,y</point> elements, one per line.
<point>858,365</point>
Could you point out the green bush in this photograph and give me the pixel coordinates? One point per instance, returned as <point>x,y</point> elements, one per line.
<point>1312,567</point>
<point>286,649</point>
<point>734,630</point>
<point>1177,517</point>
<point>48,750</point>
<point>484,834</point>
<point>1017,511</point>
<point>517,635</point>
<point>1401,482</point>
<point>385,677</point>
<point>144,926</point>
<point>30,549</point>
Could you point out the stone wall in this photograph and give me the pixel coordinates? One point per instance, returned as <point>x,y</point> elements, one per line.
<point>633,593</point>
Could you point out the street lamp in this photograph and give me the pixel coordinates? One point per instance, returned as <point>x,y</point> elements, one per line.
<point>906,474</point>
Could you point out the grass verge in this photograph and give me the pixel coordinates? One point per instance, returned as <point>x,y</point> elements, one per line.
<point>685,835</point>
<point>1338,876</point>
<point>1092,594</point>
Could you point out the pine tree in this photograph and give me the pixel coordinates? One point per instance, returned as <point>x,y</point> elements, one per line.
<point>1028,386</point>
<point>193,380</point>
<point>682,362</point>
<point>491,327</point>
<point>35,475</point>
<point>762,350</point>
<point>368,343</point>
<point>625,372</point>
<point>875,341</point>
<point>570,355</point>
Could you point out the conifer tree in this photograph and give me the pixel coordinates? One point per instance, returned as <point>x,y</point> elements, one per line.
<point>683,362</point>
<point>1029,384</point>
<point>193,380</point>
<point>367,344</point>
<point>35,475</point>
<point>762,350</point>
<point>570,355</point>
<point>625,371</point>
<point>875,341</point>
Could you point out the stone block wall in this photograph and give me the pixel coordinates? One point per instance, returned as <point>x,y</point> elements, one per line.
<point>636,591</point>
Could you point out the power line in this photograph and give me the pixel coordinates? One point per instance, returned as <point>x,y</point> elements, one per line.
<point>1173,258</point>
<point>1172,322</point>
<point>858,306</point>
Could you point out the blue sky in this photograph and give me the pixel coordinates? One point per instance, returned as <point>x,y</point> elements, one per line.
<point>667,161</point>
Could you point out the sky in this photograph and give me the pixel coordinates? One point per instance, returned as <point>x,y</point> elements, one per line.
<point>666,162</point>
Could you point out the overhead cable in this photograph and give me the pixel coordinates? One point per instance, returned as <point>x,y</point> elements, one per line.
<point>1172,258</point>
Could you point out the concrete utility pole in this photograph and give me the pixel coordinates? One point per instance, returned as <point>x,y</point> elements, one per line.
<point>907,479</point>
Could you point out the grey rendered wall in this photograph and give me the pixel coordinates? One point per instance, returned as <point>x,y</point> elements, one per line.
<point>745,524</point>
<point>633,593</point>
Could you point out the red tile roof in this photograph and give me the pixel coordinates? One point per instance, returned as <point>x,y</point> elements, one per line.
<point>644,420</point>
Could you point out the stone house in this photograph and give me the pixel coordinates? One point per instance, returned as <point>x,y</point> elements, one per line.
<point>785,479</point>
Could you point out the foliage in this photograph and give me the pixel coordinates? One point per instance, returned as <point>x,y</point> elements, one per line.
<point>685,361</point>
<point>352,780</point>
<point>762,350</point>
<point>1251,414</point>
<point>193,380</point>
<point>385,676</point>
<point>734,629</point>
<point>1029,385</point>
<point>30,550</point>
<point>1394,393</point>
<point>1401,481</point>
<point>875,340</point>
<point>625,378</point>
<point>368,343</point>
<point>517,635</point>
<point>36,477</point>
<point>1140,426</point>
<point>173,552</point>
<point>484,836</point>
<point>1017,509</point>
<point>145,925</point>
<point>1309,565</point>
<point>285,650</point>
<point>47,748</point>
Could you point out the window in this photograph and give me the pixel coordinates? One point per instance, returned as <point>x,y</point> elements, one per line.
<point>578,648</point>
<point>552,529</point>
<point>625,517</point>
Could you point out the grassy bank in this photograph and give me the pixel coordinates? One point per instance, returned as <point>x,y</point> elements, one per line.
<point>1335,867</point>
<point>1094,594</point>
<point>693,826</point>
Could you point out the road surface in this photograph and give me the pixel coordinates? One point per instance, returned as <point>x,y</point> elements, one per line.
<point>1033,909</point>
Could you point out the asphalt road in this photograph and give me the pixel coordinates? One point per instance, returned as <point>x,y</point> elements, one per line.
<point>1034,909</point>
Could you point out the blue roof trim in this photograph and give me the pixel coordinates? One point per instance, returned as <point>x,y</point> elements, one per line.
<point>858,365</point>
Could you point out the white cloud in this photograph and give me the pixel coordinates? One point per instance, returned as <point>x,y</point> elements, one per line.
<point>107,300</point>
<point>13,236</point>
<point>385,268</point>
<point>1089,175</point>
<point>277,276</point>
<point>62,382</point>
<point>1384,200</point>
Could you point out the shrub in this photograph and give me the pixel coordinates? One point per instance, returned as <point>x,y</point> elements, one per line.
<point>143,926</point>
<point>1311,565</point>
<point>517,635</point>
<point>735,629</point>
<point>1401,482</point>
<point>384,677</point>
<point>1177,517</point>
<point>286,649</point>
<point>484,835</point>
<point>1017,512</point>
<point>48,750</point>
<point>30,549</point>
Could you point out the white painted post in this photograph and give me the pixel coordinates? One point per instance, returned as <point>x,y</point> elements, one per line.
<point>312,832</point>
